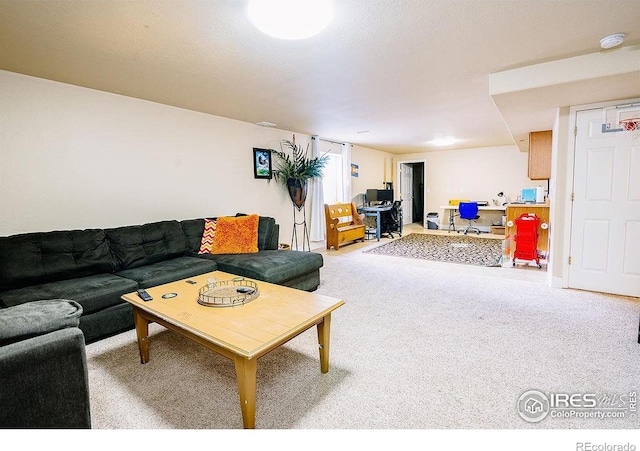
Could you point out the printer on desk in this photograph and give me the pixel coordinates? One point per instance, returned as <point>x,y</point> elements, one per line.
<point>532,195</point>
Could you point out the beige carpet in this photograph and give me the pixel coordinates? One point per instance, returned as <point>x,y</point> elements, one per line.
<point>418,345</point>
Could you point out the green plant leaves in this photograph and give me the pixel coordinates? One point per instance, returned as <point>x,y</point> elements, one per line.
<point>298,165</point>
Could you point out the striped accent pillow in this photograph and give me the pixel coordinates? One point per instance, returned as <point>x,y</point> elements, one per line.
<point>207,236</point>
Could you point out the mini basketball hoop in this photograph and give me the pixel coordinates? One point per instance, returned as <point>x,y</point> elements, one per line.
<point>631,125</point>
<point>622,118</point>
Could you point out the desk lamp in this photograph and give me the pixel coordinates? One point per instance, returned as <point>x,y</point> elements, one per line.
<point>506,198</point>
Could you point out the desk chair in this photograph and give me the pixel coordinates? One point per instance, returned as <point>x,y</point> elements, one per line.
<point>469,211</point>
<point>392,220</point>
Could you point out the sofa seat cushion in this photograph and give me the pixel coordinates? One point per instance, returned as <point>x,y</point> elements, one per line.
<point>271,266</point>
<point>43,257</point>
<point>107,322</point>
<point>93,293</point>
<point>168,271</point>
<point>140,245</point>
<point>37,318</point>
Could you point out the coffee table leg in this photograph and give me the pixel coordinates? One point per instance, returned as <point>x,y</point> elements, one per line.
<point>323,342</point>
<point>246,374</point>
<point>142,331</point>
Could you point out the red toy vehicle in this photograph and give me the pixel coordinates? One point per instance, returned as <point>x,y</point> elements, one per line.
<point>527,238</point>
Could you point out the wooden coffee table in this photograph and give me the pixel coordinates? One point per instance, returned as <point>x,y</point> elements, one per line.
<point>242,333</point>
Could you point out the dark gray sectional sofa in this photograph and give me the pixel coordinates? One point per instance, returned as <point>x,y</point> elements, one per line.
<point>44,380</point>
<point>95,267</point>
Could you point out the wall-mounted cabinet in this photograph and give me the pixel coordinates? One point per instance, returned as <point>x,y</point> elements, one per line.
<point>540,155</point>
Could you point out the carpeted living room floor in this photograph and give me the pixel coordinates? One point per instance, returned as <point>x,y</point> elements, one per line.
<point>418,345</point>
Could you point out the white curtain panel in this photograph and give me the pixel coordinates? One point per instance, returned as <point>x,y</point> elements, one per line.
<point>346,172</point>
<point>316,232</point>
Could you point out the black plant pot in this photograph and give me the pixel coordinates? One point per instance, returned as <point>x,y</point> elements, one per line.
<point>297,192</point>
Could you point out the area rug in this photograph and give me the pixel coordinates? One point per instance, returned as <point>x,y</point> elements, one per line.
<point>445,248</point>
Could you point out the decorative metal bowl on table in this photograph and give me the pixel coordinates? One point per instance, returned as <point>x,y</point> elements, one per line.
<point>228,293</point>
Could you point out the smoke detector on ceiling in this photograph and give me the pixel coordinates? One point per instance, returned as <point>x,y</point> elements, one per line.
<point>612,40</point>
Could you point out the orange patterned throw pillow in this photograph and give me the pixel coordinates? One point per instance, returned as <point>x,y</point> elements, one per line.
<point>207,236</point>
<point>236,235</point>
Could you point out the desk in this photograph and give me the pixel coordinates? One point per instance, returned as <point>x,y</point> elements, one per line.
<point>375,212</point>
<point>453,208</point>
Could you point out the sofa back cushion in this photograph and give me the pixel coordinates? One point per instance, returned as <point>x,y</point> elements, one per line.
<point>193,230</point>
<point>42,257</point>
<point>268,232</point>
<point>140,245</point>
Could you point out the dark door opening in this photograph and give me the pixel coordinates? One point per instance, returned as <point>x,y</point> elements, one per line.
<point>418,193</point>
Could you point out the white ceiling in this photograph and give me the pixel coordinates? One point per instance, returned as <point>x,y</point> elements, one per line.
<point>406,71</point>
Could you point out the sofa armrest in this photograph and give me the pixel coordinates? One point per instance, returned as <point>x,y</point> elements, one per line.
<point>37,318</point>
<point>44,382</point>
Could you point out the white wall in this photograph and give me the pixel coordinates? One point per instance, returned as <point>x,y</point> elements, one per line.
<point>371,170</point>
<point>561,186</point>
<point>473,174</point>
<point>73,157</point>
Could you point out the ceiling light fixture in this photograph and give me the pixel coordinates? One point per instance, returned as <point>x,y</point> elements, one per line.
<point>265,124</point>
<point>446,141</point>
<point>612,40</point>
<point>290,19</point>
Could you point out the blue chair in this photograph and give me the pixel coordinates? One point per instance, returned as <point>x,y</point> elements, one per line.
<point>469,211</point>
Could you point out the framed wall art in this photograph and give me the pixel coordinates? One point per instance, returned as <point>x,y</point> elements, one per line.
<point>262,163</point>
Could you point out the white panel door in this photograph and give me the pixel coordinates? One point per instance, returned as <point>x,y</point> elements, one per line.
<point>605,227</point>
<point>406,192</point>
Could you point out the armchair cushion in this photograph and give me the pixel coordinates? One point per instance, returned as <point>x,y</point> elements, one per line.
<point>37,318</point>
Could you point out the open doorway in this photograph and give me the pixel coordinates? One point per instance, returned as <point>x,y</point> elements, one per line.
<point>411,189</point>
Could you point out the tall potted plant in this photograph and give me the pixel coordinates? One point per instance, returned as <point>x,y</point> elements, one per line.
<point>295,170</point>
